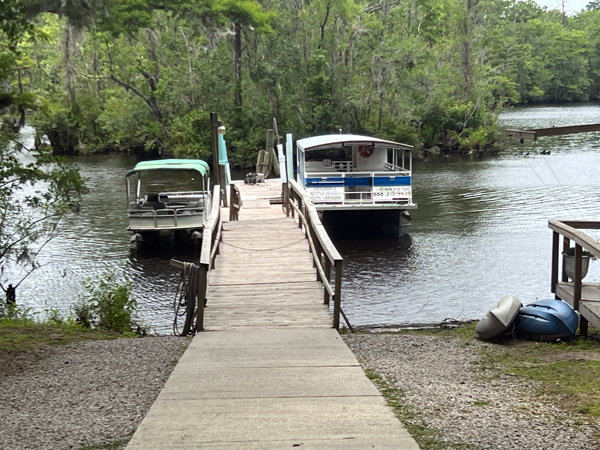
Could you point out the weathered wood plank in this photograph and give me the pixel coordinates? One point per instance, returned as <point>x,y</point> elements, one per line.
<point>557,131</point>
<point>237,281</point>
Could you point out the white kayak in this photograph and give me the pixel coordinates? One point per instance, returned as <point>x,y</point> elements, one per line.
<point>499,318</point>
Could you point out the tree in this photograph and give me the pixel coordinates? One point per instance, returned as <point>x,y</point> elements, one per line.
<point>37,190</point>
<point>37,194</point>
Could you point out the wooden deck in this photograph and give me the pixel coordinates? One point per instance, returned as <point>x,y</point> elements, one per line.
<point>589,305</point>
<point>269,371</point>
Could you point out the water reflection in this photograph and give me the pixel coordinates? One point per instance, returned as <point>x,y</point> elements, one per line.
<point>481,228</point>
<point>97,241</point>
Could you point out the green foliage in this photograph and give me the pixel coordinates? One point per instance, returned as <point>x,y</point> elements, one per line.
<point>190,136</point>
<point>108,305</point>
<point>141,76</point>
<point>246,12</point>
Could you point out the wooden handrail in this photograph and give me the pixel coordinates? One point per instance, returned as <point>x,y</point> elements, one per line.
<point>570,232</point>
<point>211,239</point>
<point>322,245</point>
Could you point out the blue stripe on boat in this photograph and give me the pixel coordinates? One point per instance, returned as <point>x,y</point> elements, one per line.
<point>391,181</point>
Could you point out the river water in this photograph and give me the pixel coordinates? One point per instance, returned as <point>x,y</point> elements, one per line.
<point>480,233</point>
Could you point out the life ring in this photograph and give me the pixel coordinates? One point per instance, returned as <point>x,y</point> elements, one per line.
<point>365,150</point>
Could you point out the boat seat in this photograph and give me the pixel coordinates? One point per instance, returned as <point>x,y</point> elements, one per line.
<point>151,201</point>
<point>153,205</point>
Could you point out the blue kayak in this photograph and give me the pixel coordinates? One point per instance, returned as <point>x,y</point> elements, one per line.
<point>547,320</point>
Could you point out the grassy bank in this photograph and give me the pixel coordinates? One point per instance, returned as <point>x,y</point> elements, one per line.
<point>566,371</point>
<point>22,335</point>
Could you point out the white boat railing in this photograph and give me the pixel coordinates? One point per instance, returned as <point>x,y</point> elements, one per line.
<point>402,173</point>
<point>343,168</point>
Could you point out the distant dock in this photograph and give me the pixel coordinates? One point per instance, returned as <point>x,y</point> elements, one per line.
<point>532,135</point>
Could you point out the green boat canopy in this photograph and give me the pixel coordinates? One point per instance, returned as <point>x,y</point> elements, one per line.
<point>172,164</point>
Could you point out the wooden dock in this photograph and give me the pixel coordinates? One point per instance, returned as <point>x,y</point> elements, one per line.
<point>589,304</point>
<point>269,371</point>
<point>533,134</point>
<point>583,297</point>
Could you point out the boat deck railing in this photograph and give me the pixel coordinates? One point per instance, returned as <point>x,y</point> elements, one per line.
<point>583,297</point>
<point>168,217</point>
<point>349,171</point>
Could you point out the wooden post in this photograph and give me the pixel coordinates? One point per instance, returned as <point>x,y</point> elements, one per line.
<point>271,151</point>
<point>327,270</point>
<point>235,203</point>
<point>222,177</point>
<point>203,274</point>
<point>577,280</point>
<point>554,272</point>
<point>566,246</point>
<point>337,298</point>
<point>266,163</point>
<point>214,143</point>
<point>583,326</point>
<point>299,211</point>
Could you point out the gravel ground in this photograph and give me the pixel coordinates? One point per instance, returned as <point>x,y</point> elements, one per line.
<point>97,392</point>
<point>93,392</point>
<point>436,377</point>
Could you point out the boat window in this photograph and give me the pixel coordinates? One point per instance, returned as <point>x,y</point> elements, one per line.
<point>171,180</point>
<point>332,154</point>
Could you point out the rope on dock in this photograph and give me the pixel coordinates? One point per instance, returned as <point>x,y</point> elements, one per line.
<point>261,249</point>
<point>185,299</point>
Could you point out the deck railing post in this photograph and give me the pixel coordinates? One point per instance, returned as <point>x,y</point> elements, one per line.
<point>577,279</point>
<point>327,269</point>
<point>566,246</point>
<point>554,273</point>
<point>337,299</point>
<point>319,251</point>
<point>202,283</point>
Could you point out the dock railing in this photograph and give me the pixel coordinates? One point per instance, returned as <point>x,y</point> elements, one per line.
<point>209,250</point>
<point>570,231</point>
<point>325,255</point>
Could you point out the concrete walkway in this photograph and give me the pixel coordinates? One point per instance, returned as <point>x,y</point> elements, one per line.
<point>269,371</point>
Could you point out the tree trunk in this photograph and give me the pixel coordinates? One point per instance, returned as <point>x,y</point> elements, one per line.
<point>237,52</point>
<point>69,71</point>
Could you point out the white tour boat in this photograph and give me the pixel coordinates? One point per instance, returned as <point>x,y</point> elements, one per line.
<point>351,177</point>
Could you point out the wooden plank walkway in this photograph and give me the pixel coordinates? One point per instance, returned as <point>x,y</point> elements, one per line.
<point>269,371</point>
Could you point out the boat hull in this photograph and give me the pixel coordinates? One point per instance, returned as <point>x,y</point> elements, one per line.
<point>547,320</point>
<point>394,223</point>
<point>499,318</point>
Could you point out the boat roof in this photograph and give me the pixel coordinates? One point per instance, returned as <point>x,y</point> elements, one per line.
<point>172,164</point>
<point>336,140</point>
